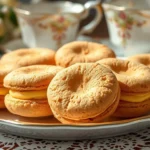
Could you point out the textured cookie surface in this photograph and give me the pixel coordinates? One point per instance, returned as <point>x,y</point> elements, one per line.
<point>34,77</point>
<point>76,52</point>
<point>132,77</point>
<point>101,117</point>
<point>32,56</point>
<point>141,58</point>
<point>5,69</point>
<point>82,91</point>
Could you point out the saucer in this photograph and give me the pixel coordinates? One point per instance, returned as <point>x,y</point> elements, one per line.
<point>14,44</point>
<point>18,43</point>
<point>118,50</point>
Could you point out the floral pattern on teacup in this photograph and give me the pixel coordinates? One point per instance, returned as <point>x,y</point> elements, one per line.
<point>58,25</point>
<point>125,23</point>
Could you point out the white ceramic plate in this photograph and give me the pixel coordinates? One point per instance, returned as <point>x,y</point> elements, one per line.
<point>50,128</point>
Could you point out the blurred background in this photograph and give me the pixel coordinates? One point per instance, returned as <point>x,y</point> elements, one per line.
<point>9,28</point>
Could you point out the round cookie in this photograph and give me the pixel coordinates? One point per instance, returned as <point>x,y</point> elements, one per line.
<point>141,58</point>
<point>30,56</point>
<point>2,104</point>
<point>19,58</point>
<point>81,51</point>
<point>27,108</point>
<point>84,92</point>
<point>4,70</point>
<point>134,82</point>
<point>27,90</point>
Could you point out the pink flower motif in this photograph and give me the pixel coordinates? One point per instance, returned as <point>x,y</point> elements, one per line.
<point>129,26</point>
<point>117,25</point>
<point>128,35</point>
<point>123,35</point>
<point>125,23</point>
<point>61,19</point>
<point>122,15</point>
<point>58,37</point>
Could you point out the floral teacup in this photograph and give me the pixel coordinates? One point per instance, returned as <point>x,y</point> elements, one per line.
<point>129,25</point>
<point>52,24</point>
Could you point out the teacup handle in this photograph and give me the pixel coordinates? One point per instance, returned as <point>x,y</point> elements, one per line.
<point>96,20</point>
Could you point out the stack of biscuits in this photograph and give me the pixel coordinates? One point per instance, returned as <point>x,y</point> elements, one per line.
<point>82,82</point>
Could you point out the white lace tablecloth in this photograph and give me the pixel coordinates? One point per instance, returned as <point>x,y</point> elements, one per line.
<point>132,141</point>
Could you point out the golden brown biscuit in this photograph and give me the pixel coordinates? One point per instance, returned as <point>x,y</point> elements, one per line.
<point>4,70</point>
<point>27,90</point>
<point>2,105</point>
<point>132,109</point>
<point>80,51</point>
<point>141,58</point>
<point>135,86</point>
<point>84,92</point>
<point>30,56</point>
<point>27,108</point>
<point>20,58</point>
<point>108,112</point>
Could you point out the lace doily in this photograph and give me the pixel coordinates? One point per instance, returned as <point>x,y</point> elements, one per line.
<point>137,141</point>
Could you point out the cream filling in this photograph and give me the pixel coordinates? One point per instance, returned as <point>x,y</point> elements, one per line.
<point>134,97</point>
<point>28,95</point>
<point>3,91</point>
